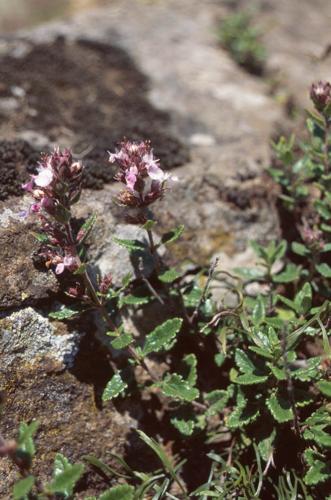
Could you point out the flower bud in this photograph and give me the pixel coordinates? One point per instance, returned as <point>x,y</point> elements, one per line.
<point>75,168</point>
<point>320,94</point>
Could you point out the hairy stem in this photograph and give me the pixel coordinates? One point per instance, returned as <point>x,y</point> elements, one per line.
<point>153,250</point>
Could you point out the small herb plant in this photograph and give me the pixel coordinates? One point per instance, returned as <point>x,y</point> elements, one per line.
<point>250,382</point>
<point>243,41</point>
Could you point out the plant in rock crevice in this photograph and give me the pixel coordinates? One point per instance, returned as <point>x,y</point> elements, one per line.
<point>252,381</point>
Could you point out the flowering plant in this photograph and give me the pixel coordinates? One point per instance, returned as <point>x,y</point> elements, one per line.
<point>235,383</point>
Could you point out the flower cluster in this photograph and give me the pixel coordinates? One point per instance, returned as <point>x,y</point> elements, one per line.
<point>57,184</point>
<point>320,94</point>
<point>54,188</point>
<point>141,174</point>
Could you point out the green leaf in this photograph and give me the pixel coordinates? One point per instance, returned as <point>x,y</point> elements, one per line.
<point>280,408</point>
<point>121,492</point>
<point>23,487</point>
<point>66,476</point>
<point>162,337</point>
<point>122,341</point>
<point>131,245</point>
<point>300,249</point>
<point>266,445</point>
<point>258,313</point>
<point>191,362</point>
<point>217,401</point>
<point>86,229</point>
<point>319,470</point>
<point>324,269</point>
<point>303,299</point>
<point>63,313</point>
<point>244,363</point>
<point>250,379</point>
<point>149,225</point>
<point>185,427</point>
<point>291,273</point>
<point>322,209</point>
<point>325,387</point>
<point>25,437</point>
<point>319,435</point>
<point>41,237</point>
<point>115,386</point>
<point>240,417</point>
<point>250,273</point>
<point>308,372</point>
<point>176,387</point>
<point>173,235</point>
<point>81,269</point>
<point>132,300</point>
<point>169,276</point>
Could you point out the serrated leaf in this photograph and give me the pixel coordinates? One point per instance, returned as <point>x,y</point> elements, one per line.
<point>132,300</point>
<point>279,373</point>
<point>318,472</point>
<point>122,341</point>
<point>173,235</point>
<point>266,445</point>
<point>244,363</point>
<point>174,386</point>
<point>280,408</point>
<point>325,387</point>
<point>216,401</point>
<point>65,476</point>
<point>115,386</point>
<point>25,437</point>
<point>191,361</point>
<point>324,269</point>
<point>318,434</point>
<point>185,427</point>
<point>291,273</point>
<point>86,229</point>
<point>23,487</point>
<point>63,313</point>
<point>241,417</point>
<point>169,276</point>
<point>131,245</point>
<point>121,492</point>
<point>162,337</point>
<point>308,372</point>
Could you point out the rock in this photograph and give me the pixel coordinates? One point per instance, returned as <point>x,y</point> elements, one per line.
<point>298,52</point>
<point>118,261</point>
<point>20,281</point>
<point>26,336</point>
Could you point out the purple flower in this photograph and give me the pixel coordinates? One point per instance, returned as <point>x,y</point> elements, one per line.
<point>139,171</point>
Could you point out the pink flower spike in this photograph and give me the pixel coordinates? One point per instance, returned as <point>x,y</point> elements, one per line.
<point>44,177</point>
